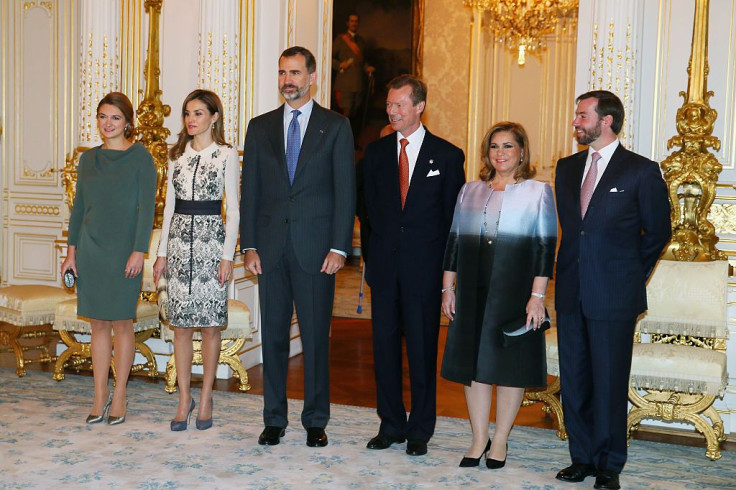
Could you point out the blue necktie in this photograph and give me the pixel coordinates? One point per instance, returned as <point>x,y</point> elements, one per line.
<point>293,144</point>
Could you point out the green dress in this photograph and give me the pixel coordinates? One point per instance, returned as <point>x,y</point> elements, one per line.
<point>112,217</point>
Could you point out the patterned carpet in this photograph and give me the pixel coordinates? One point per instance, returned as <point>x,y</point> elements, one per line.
<point>44,443</point>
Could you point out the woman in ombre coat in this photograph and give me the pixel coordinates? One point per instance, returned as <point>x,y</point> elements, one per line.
<point>499,257</point>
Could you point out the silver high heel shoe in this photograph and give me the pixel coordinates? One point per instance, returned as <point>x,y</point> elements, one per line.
<point>96,419</point>
<point>117,420</point>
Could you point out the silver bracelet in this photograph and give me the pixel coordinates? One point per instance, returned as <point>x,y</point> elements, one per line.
<point>451,288</point>
<point>538,295</point>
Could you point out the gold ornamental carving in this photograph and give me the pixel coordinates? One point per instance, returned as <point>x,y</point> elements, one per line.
<point>69,174</point>
<point>229,356</point>
<point>152,111</point>
<point>692,171</point>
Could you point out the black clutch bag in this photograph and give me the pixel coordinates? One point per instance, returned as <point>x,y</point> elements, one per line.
<point>69,278</point>
<point>517,330</point>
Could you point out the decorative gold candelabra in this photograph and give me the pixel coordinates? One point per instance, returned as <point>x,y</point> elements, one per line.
<point>692,171</point>
<point>521,24</point>
<point>151,111</point>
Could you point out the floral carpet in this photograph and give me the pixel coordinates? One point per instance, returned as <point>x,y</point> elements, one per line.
<point>44,443</point>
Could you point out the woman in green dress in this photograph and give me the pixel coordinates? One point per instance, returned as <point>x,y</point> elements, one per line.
<point>109,230</point>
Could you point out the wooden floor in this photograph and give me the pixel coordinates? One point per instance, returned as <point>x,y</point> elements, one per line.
<point>352,382</point>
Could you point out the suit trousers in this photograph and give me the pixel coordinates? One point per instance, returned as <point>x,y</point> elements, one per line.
<point>281,289</point>
<point>420,316</point>
<point>595,363</point>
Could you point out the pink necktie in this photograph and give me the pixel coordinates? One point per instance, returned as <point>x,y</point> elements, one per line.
<point>586,192</point>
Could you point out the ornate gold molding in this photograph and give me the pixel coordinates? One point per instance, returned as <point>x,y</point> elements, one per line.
<point>152,111</point>
<point>48,6</point>
<point>692,171</point>
<point>37,209</point>
<point>417,41</point>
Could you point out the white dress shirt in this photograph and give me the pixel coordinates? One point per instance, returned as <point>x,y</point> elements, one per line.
<point>412,149</point>
<point>306,113</point>
<point>606,154</point>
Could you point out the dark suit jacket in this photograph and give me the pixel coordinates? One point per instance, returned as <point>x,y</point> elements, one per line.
<point>410,242</point>
<point>605,259</point>
<point>317,210</point>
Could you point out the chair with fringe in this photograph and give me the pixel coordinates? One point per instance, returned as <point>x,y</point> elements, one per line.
<point>679,360</point>
<point>26,314</point>
<point>145,325</point>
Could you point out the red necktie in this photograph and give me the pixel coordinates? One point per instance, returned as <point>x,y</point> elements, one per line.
<point>586,191</point>
<point>403,171</point>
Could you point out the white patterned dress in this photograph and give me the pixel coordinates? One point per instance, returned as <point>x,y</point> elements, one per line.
<point>194,244</point>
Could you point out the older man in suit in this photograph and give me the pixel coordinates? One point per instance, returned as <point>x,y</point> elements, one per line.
<point>615,219</point>
<point>412,179</point>
<point>297,206</point>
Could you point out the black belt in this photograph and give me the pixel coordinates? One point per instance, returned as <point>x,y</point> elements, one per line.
<point>198,207</point>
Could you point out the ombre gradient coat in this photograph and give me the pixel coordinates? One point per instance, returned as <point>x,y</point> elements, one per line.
<point>490,294</point>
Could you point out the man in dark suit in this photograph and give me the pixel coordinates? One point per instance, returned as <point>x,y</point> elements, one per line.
<point>412,179</point>
<point>297,206</point>
<point>615,219</point>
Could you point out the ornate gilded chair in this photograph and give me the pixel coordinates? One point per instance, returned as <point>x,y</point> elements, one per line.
<point>677,375</point>
<point>239,330</point>
<point>27,312</point>
<point>145,325</point>
<point>550,397</point>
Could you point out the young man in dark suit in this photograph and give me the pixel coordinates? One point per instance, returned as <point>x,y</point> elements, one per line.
<point>614,215</point>
<point>297,207</point>
<point>412,179</point>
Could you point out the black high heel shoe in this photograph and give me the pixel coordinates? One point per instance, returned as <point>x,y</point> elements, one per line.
<point>204,424</point>
<point>494,464</point>
<point>467,462</point>
<point>179,425</point>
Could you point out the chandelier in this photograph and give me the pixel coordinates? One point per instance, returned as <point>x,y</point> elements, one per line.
<point>521,24</point>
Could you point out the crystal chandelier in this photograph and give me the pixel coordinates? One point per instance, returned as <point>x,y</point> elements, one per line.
<point>521,24</point>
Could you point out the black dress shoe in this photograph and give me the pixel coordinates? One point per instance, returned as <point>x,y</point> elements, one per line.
<point>271,435</point>
<point>415,447</point>
<point>383,441</point>
<point>316,437</point>
<point>606,479</point>
<point>576,472</point>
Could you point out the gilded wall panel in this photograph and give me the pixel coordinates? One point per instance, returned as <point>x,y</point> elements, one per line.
<point>35,257</point>
<point>36,154</point>
<point>39,73</point>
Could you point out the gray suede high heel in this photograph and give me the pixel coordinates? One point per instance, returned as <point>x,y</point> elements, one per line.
<point>179,425</point>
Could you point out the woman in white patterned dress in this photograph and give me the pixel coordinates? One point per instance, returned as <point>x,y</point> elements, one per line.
<point>196,250</point>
